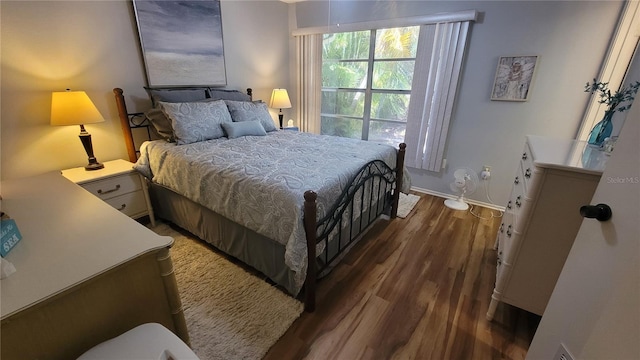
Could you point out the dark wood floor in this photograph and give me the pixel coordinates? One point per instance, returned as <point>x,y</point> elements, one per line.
<point>414,288</point>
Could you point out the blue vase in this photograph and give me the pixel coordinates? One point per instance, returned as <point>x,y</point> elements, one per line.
<point>602,130</point>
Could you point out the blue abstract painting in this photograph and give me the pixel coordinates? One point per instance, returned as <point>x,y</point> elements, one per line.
<point>181,42</point>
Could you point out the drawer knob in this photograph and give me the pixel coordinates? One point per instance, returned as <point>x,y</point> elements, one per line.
<point>517,180</point>
<point>524,156</point>
<point>122,207</point>
<point>509,231</point>
<point>527,173</point>
<point>101,192</point>
<point>518,201</point>
<point>600,212</point>
<point>509,206</point>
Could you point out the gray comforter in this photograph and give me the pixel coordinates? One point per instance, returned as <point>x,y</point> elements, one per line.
<point>259,181</point>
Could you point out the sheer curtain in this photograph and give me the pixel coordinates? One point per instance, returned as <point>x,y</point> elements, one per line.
<point>441,49</point>
<point>309,81</point>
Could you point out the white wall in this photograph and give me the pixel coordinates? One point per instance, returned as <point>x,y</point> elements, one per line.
<point>484,132</point>
<point>93,46</point>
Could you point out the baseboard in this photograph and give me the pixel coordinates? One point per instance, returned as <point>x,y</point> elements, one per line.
<point>449,196</point>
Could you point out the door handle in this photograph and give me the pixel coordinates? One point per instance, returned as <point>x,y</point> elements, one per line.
<point>600,212</point>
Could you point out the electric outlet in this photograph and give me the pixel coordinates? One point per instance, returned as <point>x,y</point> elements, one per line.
<point>563,353</point>
<point>485,174</point>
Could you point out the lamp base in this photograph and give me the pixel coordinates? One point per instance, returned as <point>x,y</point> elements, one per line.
<point>85,138</point>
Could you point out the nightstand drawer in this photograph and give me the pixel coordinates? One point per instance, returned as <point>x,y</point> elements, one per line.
<point>114,186</point>
<point>130,204</point>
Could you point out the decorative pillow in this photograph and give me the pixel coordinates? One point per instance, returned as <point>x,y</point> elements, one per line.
<point>243,128</point>
<point>196,121</point>
<point>251,111</point>
<point>161,123</point>
<point>177,95</point>
<point>222,94</point>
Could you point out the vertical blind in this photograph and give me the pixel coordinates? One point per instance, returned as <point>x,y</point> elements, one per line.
<point>441,49</point>
<point>309,81</point>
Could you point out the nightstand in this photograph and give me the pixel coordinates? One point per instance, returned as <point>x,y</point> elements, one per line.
<point>118,184</point>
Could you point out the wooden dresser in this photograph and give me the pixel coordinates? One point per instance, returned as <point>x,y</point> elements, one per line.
<point>85,272</point>
<point>553,179</point>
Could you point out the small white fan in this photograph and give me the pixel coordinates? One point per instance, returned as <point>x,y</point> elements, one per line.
<point>465,183</point>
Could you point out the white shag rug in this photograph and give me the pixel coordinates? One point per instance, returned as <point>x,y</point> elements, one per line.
<point>230,313</point>
<point>406,204</point>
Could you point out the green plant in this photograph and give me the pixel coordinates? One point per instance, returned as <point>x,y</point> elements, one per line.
<point>617,100</point>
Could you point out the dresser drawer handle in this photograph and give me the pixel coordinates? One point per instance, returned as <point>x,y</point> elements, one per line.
<point>509,231</point>
<point>518,201</point>
<point>517,180</point>
<point>109,191</point>
<point>527,173</point>
<point>524,156</point>
<point>502,227</point>
<point>122,207</point>
<point>509,206</point>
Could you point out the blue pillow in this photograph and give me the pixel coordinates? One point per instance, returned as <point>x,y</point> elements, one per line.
<point>196,121</point>
<point>251,111</point>
<point>177,95</point>
<point>243,128</point>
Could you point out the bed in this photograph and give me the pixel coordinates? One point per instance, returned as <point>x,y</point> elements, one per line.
<point>271,198</point>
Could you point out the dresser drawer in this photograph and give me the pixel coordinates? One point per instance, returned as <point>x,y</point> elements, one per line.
<point>130,204</point>
<point>517,193</point>
<point>114,186</point>
<point>505,237</point>
<point>528,167</point>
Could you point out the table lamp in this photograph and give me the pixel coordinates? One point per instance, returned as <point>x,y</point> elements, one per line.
<point>75,108</point>
<point>280,100</point>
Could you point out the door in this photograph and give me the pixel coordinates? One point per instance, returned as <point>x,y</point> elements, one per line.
<point>595,307</point>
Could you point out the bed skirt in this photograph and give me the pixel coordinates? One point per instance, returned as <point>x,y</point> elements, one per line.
<point>258,251</point>
<point>266,255</point>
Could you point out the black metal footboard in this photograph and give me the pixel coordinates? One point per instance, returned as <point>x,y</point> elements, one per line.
<point>373,191</point>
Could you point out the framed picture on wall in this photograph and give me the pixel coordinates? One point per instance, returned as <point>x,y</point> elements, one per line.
<point>513,78</point>
<point>181,42</point>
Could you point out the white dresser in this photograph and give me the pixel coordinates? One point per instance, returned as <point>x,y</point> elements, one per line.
<point>553,179</point>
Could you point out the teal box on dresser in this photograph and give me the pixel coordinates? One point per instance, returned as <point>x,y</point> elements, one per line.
<point>9,235</point>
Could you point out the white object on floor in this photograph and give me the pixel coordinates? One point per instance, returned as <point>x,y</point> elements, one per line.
<point>456,204</point>
<point>148,341</point>
<point>406,204</point>
<point>465,183</point>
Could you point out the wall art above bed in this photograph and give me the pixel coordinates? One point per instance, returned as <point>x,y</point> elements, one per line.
<point>181,42</point>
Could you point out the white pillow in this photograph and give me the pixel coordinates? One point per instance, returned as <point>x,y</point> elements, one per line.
<point>196,121</point>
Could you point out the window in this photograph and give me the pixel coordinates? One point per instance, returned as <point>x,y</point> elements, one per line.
<point>396,83</point>
<point>366,83</point>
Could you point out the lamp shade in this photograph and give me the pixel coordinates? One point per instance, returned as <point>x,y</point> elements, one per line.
<point>280,99</point>
<point>73,108</point>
